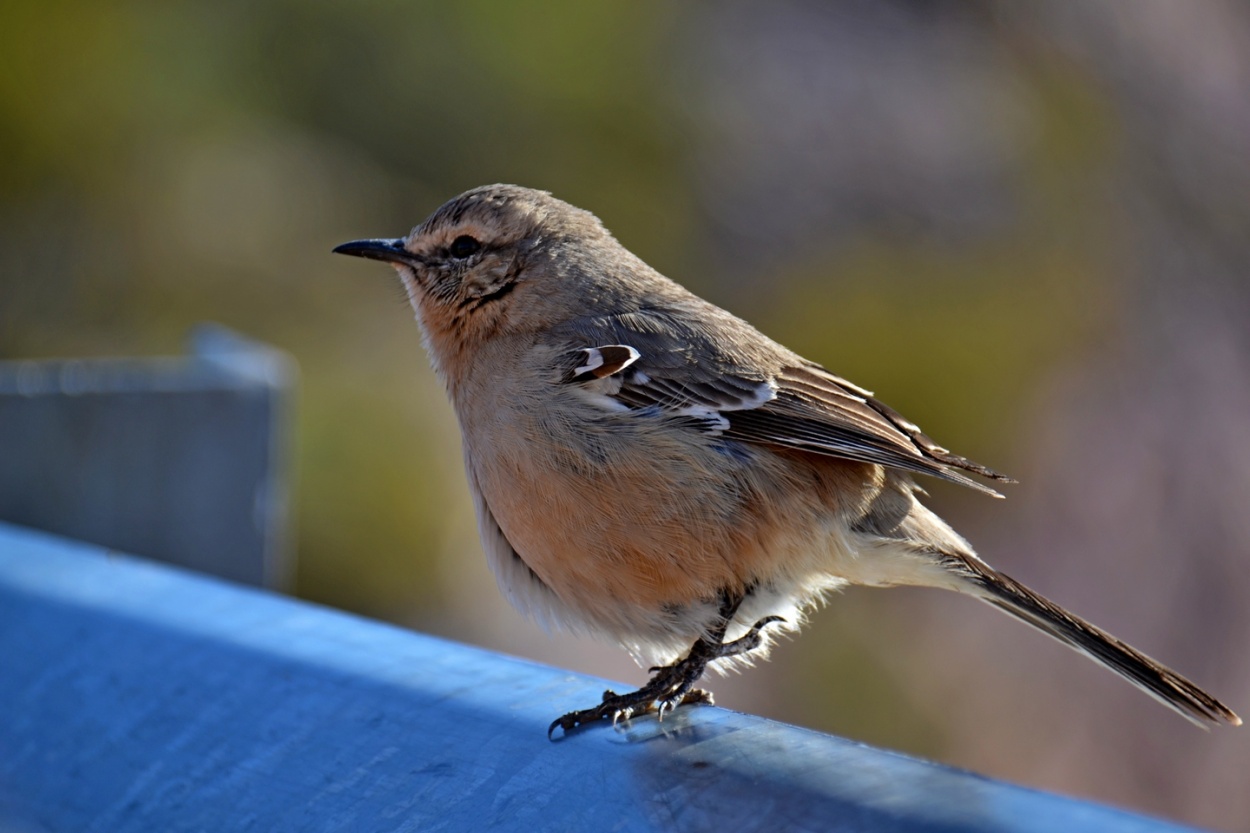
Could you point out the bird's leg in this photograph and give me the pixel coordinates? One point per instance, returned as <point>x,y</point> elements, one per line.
<point>673,685</point>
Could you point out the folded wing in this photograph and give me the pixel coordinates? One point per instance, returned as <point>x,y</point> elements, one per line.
<point>801,406</point>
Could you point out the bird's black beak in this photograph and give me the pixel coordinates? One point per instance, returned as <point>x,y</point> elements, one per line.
<point>392,251</point>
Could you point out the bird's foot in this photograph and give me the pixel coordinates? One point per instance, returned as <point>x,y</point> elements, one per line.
<point>618,707</point>
<point>749,641</point>
<point>670,686</point>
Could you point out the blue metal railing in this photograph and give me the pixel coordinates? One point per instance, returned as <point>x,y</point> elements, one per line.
<point>138,697</point>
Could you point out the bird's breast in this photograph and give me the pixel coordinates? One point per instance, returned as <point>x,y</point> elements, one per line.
<point>598,502</point>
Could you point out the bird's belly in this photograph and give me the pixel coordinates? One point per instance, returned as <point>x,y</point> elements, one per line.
<point>641,534</point>
<point>639,540</point>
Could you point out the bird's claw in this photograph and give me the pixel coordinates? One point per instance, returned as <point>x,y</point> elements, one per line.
<point>671,685</point>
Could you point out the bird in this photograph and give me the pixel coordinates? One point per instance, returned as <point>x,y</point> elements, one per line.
<point>651,470</point>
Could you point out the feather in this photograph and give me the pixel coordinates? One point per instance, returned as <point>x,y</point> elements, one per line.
<point>801,406</point>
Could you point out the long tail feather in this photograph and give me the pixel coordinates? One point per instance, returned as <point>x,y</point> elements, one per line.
<point>1159,681</point>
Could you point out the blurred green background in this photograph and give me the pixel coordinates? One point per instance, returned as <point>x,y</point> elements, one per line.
<point>1027,228</point>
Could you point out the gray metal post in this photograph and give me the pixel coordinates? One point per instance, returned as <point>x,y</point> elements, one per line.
<point>179,459</point>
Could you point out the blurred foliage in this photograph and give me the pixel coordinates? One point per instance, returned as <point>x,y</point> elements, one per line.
<point>187,161</point>
<point>171,163</point>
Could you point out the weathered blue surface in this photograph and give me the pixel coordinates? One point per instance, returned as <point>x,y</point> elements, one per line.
<point>139,698</point>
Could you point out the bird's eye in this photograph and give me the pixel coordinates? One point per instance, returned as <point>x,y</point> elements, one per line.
<point>463,246</point>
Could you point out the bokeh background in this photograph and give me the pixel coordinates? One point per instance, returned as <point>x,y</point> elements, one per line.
<point>1025,226</point>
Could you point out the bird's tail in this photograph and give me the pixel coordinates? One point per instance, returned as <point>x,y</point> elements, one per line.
<point>1159,681</point>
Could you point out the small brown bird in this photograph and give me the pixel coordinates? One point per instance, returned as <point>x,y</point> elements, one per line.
<point>650,469</point>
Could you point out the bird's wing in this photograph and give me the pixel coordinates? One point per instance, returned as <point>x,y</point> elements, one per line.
<point>818,412</point>
<point>800,406</point>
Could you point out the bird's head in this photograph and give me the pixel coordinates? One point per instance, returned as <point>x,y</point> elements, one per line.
<point>494,259</point>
